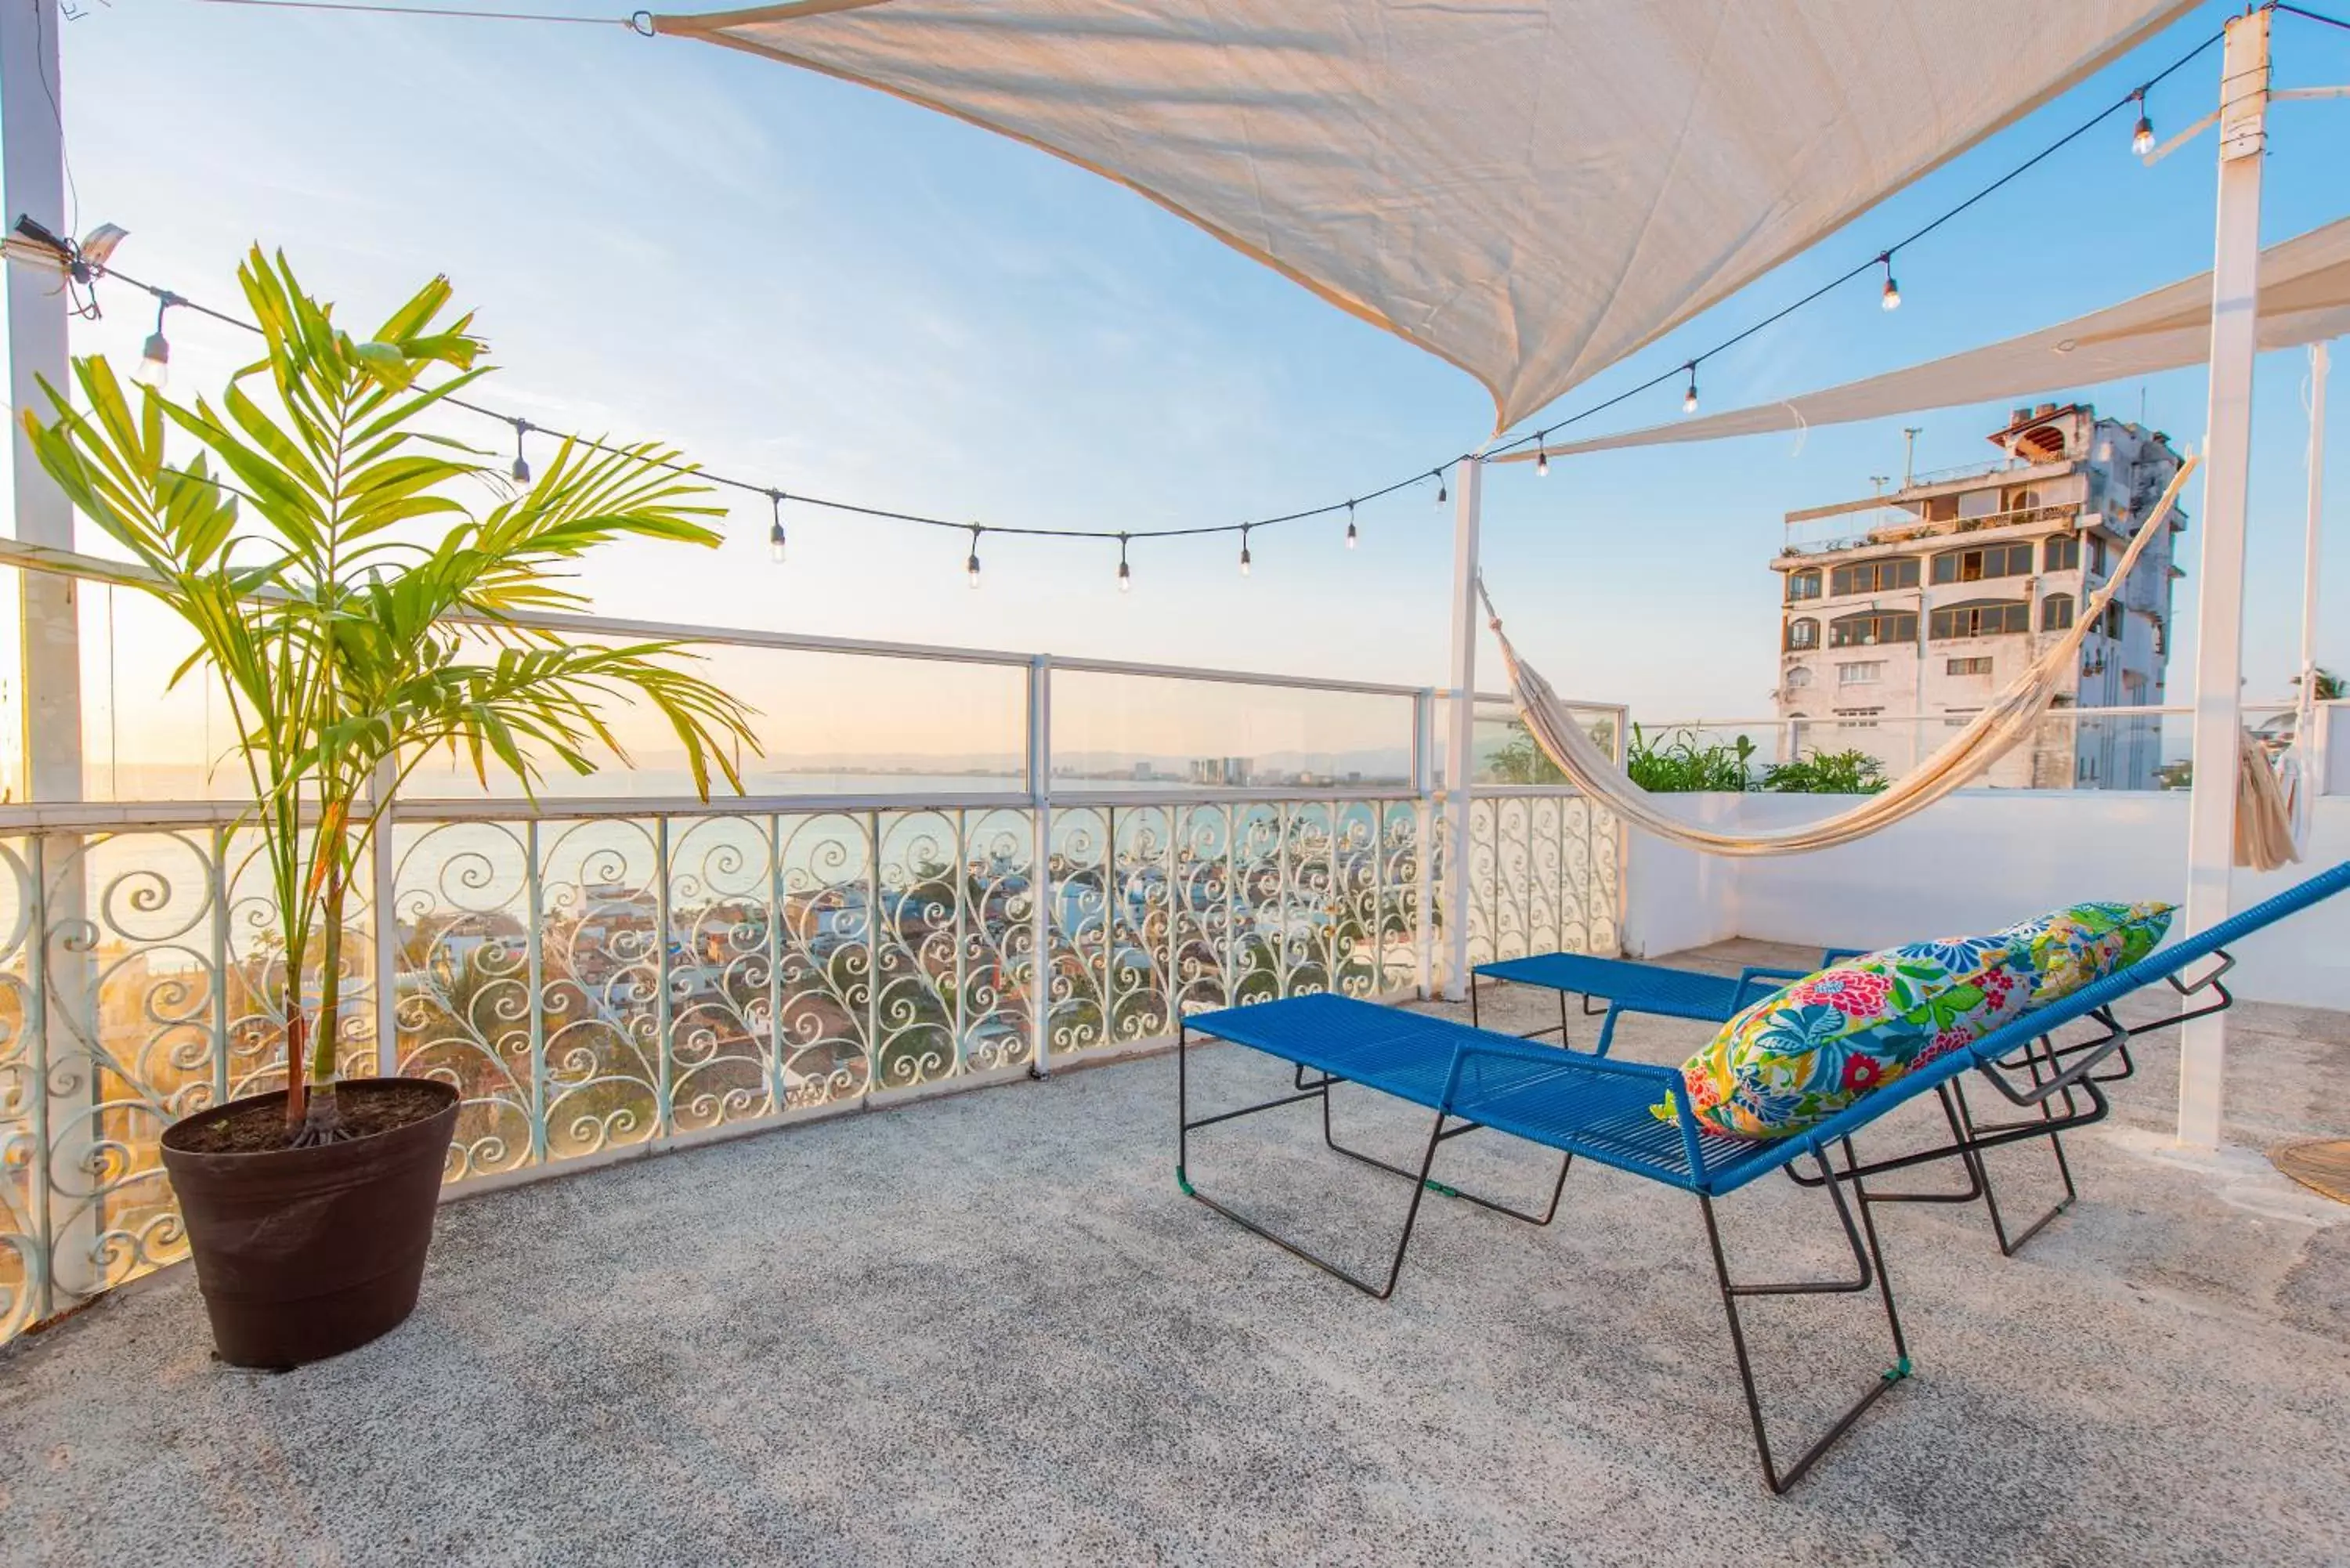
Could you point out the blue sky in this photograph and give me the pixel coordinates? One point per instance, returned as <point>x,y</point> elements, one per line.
<point>812,283</point>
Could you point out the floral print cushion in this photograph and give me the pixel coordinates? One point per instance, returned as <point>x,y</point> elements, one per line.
<point>1800,1055</point>
<point>2073,945</point>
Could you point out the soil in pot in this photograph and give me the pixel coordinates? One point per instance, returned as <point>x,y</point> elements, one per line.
<point>302,1253</point>
<point>368,1106</point>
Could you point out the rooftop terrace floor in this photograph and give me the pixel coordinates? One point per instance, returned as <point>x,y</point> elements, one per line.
<point>988,1328</point>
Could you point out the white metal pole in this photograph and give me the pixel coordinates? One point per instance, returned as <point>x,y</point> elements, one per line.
<point>2219,624</point>
<point>1467,476</point>
<point>32,185</point>
<point>2312,743</point>
<point>32,147</point>
<point>1040,873</point>
<point>1423,791</point>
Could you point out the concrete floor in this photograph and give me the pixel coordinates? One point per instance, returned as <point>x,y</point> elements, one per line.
<point>987,1328</point>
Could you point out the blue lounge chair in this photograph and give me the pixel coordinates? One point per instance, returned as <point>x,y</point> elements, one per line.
<point>1578,1103</point>
<point>1657,990</point>
<point>1625,985</point>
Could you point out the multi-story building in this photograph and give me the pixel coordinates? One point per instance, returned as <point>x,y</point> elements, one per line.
<point>1921,605</point>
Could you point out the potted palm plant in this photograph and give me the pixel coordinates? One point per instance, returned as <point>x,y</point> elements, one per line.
<point>352,580</point>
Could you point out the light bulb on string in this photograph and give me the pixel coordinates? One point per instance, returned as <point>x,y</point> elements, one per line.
<point>1351,537</point>
<point>155,358</point>
<point>971,565</point>
<point>1689,399</point>
<point>2142,134</point>
<point>1891,299</point>
<point>521,469</point>
<point>1438,474</point>
<point>1124,575</point>
<point>775,529</point>
<point>1244,550</point>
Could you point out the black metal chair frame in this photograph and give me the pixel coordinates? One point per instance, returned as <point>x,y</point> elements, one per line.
<point>1861,1237</point>
<point>1319,1089</point>
<point>2061,1086</point>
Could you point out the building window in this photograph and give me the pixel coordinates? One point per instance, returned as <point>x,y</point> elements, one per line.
<point>1978,565</point>
<point>1968,666</point>
<point>1873,628</point>
<point>2056,612</point>
<point>1981,618</point>
<point>1804,633</point>
<point>2061,553</point>
<point>2097,556</point>
<point>1802,586</point>
<point>1873,576</point>
<point>1959,718</point>
<point>1798,678</point>
<point>2114,622</point>
<point>1856,674</point>
<point>1857,718</point>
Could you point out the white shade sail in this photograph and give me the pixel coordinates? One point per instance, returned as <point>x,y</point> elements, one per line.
<point>1529,189</point>
<point>2304,298</point>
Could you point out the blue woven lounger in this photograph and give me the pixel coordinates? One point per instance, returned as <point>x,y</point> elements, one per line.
<point>1624,985</point>
<point>1578,1104</point>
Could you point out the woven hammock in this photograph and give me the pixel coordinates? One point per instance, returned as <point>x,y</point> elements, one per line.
<point>2001,726</point>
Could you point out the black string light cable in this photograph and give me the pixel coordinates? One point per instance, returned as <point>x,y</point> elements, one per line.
<point>2311,15</point>
<point>65,252</point>
<point>1891,296</point>
<point>639,22</point>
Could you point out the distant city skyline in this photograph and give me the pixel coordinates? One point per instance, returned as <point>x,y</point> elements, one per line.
<point>788,276</point>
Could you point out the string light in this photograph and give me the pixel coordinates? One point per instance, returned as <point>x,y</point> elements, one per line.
<point>1244,551</point>
<point>155,359</point>
<point>776,530</point>
<point>90,262</point>
<point>1125,575</point>
<point>521,469</point>
<point>970,566</point>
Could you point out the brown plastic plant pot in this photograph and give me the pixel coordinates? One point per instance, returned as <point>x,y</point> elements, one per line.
<point>302,1253</point>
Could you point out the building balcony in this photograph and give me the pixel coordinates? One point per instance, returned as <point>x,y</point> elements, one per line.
<point>760,1321</point>
<point>988,1327</point>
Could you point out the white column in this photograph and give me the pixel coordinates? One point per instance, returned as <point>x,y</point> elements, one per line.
<point>1040,873</point>
<point>2313,744</point>
<point>2219,574</point>
<point>32,149</point>
<point>1467,479</point>
<point>1423,790</point>
<point>32,184</point>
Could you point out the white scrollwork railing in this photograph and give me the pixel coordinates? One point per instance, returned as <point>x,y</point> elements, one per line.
<point>598,982</point>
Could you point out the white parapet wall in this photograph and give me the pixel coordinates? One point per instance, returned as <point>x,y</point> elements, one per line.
<point>1974,862</point>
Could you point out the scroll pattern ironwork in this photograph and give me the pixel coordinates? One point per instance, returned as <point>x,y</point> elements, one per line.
<point>589,983</point>
<point>1544,875</point>
<point>141,980</point>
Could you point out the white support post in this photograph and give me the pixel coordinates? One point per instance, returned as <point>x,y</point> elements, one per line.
<point>32,147</point>
<point>32,185</point>
<point>1040,874</point>
<point>2313,744</point>
<point>1468,477</point>
<point>1423,790</point>
<point>2220,575</point>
